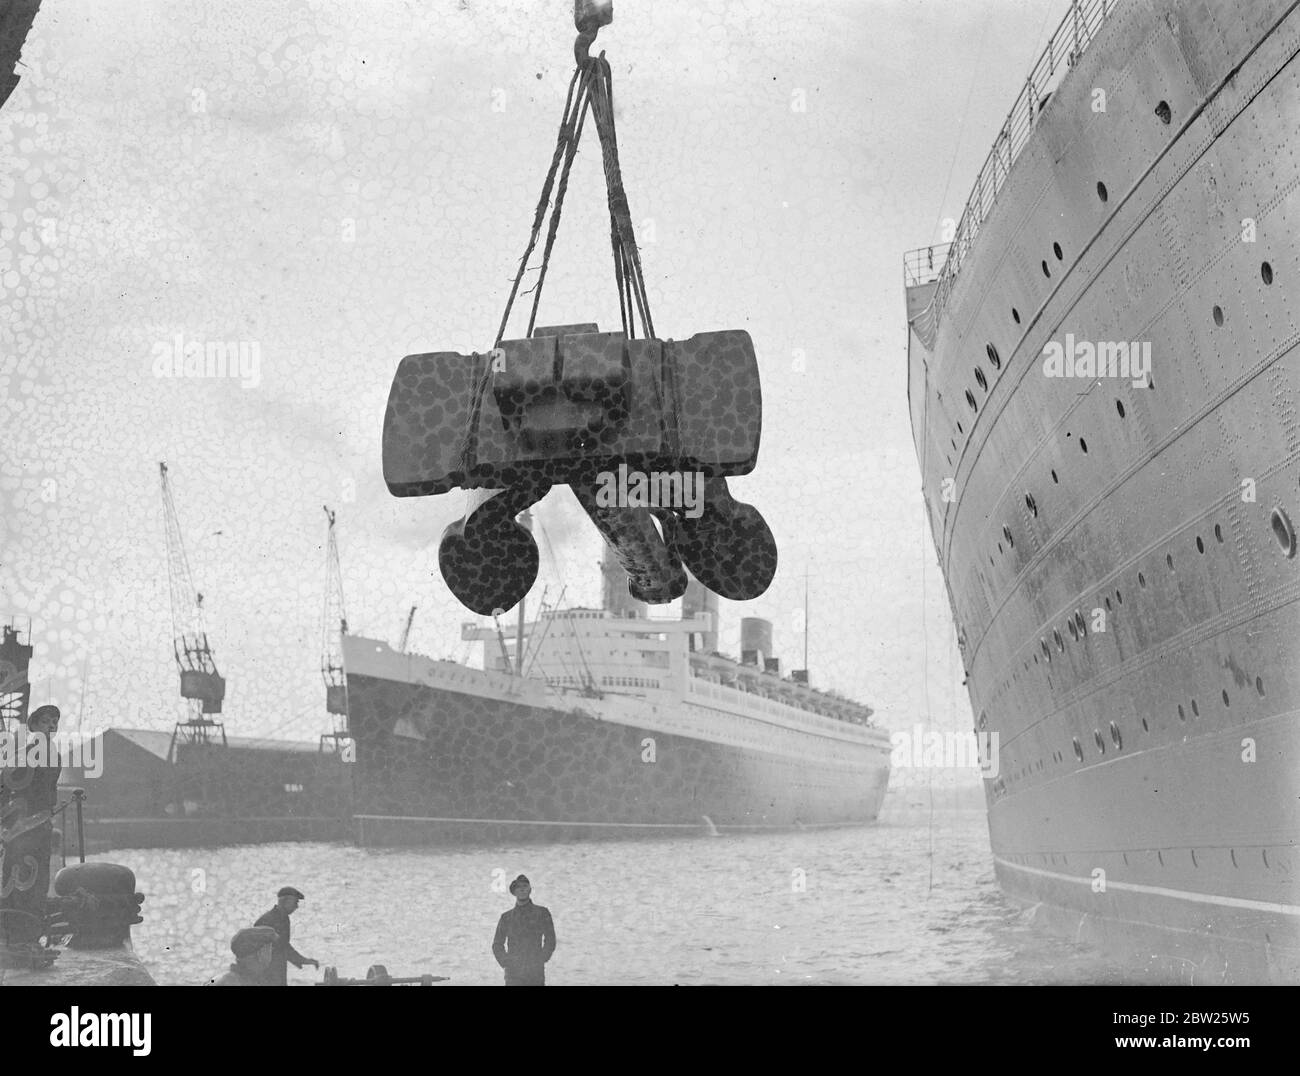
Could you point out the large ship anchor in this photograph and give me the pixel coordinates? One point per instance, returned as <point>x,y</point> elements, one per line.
<point>570,405</point>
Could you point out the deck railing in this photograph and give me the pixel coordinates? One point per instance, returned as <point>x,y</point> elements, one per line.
<point>1070,40</point>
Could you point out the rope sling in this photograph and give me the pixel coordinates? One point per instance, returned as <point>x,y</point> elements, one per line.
<point>594,92</point>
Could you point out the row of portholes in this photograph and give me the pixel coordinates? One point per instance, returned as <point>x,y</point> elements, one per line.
<point>1281,527</point>
<point>1117,738</point>
<point>1077,628</point>
<point>1165,114</point>
<point>1050,857</point>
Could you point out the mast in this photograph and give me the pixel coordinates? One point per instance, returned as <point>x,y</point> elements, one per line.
<point>525,521</point>
<point>406,630</point>
<point>800,676</point>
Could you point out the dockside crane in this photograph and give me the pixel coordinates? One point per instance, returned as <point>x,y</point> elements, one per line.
<point>334,626</point>
<point>202,685</point>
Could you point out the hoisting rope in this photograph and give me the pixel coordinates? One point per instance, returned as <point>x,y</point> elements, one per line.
<point>594,92</point>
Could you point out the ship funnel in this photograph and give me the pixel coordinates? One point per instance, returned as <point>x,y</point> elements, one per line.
<point>755,640</point>
<point>614,597</point>
<point>700,599</point>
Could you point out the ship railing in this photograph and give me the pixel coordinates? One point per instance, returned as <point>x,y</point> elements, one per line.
<point>924,265</point>
<point>1067,44</point>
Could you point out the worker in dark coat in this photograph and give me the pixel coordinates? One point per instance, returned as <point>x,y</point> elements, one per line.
<point>252,947</point>
<point>284,954</point>
<point>525,938</point>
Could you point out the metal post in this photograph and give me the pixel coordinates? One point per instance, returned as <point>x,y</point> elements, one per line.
<point>79,797</point>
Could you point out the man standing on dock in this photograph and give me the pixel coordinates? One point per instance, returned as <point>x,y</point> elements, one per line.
<point>525,938</point>
<point>284,953</point>
<point>252,947</point>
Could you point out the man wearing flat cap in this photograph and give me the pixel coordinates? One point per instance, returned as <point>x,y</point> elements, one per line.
<point>284,954</point>
<point>525,938</point>
<point>252,947</point>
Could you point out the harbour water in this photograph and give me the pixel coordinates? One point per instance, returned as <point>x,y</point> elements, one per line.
<point>910,900</point>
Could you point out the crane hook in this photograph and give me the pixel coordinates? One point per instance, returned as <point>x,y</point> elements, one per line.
<point>589,16</point>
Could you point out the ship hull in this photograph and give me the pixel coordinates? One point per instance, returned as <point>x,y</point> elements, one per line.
<point>1118,550</point>
<point>434,764</point>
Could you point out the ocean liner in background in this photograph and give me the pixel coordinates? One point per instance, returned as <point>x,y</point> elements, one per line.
<point>1119,545</point>
<point>603,723</point>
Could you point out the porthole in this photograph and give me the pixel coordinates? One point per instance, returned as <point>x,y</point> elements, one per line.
<point>1083,445</point>
<point>1115,736</point>
<point>1259,686</point>
<point>1142,581</point>
<point>1266,272</point>
<point>1078,749</point>
<point>1119,406</point>
<point>981,380</point>
<point>1046,653</point>
<point>970,400</point>
<point>1101,744</point>
<point>1119,597</point>
<point>1101,191</point>
<point>1164,112</point>
<point>1145,726</point>
<point>1006,533</point>
<point>1218,315</point>
<point>1108,606</point>
<point>1031,504</point>
<point>1046,272</point>
<point>1074,632</point>
<point>1182,714</point>
<point>1078,620</point>
<point>1196,710</point>
<point>1200,545</point>
<point>1226,703</point>
<point>1218,533</point>
<point>1284,532</point>
<point>1060,643</point>
<point>959,429</point>
<point>1015,315</point>
<point>984,719</point>
<point>1056,249</point>
<point>993,355</point>
<point>1054,478</point>
<point>1169,560</point>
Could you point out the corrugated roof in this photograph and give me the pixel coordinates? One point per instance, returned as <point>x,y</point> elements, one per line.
<point>156,743</point>
<point>159,743</point>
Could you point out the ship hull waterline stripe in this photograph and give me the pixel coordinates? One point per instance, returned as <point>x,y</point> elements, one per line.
<point>1160,891</point>
<point>621,825</point>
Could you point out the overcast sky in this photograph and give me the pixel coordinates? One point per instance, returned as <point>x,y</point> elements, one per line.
<point>342,182</point>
